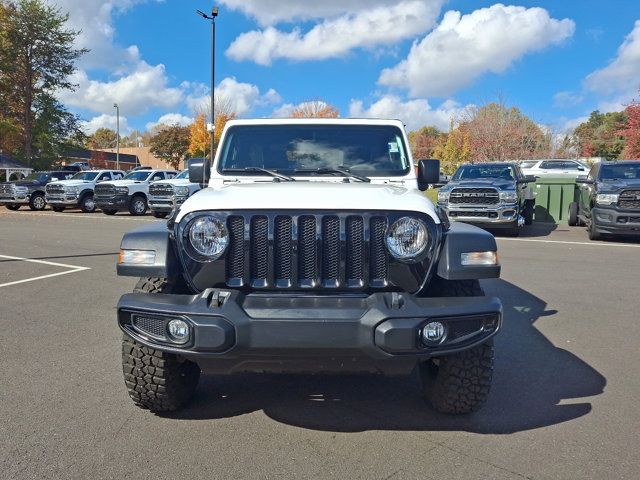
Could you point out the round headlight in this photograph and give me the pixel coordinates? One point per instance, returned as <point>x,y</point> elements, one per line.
<point>208,237</point>
<point>407,238</point>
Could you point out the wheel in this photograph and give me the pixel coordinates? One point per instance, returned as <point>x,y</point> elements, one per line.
<point>109,212</point>
<point>160,214</point>
<point>573,214</point>
<point>528,212</point>
<point>12,207</point>
<point>138,206</point>
<point>87,204</point>
<point>458,383</point>
<point>37,202</point>
<point>591,230</point>
<point>58,209</point>
<point>155,380</point>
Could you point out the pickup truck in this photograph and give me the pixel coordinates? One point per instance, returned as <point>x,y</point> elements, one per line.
<point>609,200</point>
<point>166,195</point>
<point>492,195</point>
<point>78,191</point>
<point>311,250</point>
<point>30,190</point>
<point>131,192</point>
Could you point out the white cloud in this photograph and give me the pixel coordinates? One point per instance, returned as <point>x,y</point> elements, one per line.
<point>271,12</point>
<point>567,99</point>
<point>105,121</point>
<point>171,119</point>
<point>241,97</point>
<point>463,47</point>
<point>145,87</point>
<point>622,75</point>
<point>286,110</point>
<point>414,113</point>
<point>335,37</point>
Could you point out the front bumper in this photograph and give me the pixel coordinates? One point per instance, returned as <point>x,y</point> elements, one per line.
<point>15,200</point>
<point>231,332</point>
<point>116,202</point>
<point>164,204</point>
<point>62,200</point>
<point>495,215</point>
<point>612,220</point>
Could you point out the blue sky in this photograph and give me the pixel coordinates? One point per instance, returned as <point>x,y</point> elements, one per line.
<point>423,61</point>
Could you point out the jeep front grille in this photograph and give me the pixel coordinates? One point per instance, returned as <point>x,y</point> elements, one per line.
<point>474,196</point>
<point>161,190</point>
<point>105,190</point>
<point>630,200</point>
<point>53,189</point>
<point>307,251</point>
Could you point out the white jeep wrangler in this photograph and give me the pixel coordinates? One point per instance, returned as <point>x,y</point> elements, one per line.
<point>130,193</point>
<point>312,250</point>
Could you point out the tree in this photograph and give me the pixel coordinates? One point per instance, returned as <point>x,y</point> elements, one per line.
<point>600,135</point>
<point>199,137</point>
<point>424,142</point>
<point>37,58</point>
<point>102,138</point>
<point>631,131</point>
<point>455,150</point>
<point>315,109</point>
<point>172,145</point>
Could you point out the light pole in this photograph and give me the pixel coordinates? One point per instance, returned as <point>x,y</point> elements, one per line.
<point>115,105</point>
<point>212,17</point>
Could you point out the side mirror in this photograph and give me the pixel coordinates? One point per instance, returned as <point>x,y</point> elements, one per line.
<point>584,181</point>
<point>428,173</point>
<point>528,179</point>
<point>199,170</point>
<point>581,169</point>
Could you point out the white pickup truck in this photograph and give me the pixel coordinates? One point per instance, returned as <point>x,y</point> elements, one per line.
<point>167,194</point>
<point>78,191</point>
<point>131,193</point>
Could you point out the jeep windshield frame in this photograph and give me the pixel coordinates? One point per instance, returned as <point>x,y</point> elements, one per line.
<point>310,150</point>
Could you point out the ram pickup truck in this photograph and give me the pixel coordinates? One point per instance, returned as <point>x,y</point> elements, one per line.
<point>30,190</point>
<point>312,250</point>
<point>609,200</point>
<point>131,192</point>
<point>78,191</point>
<point>491,195</point>
<point>166,195</point>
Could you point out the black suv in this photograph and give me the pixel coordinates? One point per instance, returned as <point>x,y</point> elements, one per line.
<point>609,200</point>
<point>29,190</point>
<point>491,195</point>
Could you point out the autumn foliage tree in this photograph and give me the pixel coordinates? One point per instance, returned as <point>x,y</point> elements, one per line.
<point>199,138</point>
<point>101,138</point>
<point>423,142</point>
<point>631,131</point>
<point>171,144</point>
<point>454,150</point>
<point>315,109</point>
<point>601,135</point>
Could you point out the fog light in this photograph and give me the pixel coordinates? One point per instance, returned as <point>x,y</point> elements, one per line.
<point>178,330</point>
<point>432,333</point>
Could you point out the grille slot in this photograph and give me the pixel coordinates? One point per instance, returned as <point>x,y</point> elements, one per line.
<point>329,251</point>
<point>630,199</point>
<point>154,327</point>
<point>474,196</point>
<point>461,328</point>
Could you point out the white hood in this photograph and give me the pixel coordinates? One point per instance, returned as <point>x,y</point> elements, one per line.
<point>72,183</point>
<point>178,182</point>
<point>309,196</point>
<point>122,183</point>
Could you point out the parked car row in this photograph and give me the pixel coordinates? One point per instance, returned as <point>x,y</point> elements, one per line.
<point>110,191</point>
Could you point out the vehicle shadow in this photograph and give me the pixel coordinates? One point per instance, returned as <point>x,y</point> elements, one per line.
<point>532,377</point>
<point>539,229</point>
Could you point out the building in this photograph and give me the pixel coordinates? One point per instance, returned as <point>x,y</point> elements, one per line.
<point>11,169</point>
<point>144,155</point>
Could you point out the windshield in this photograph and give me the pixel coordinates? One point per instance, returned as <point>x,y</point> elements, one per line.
<point>471,172</point>
<point>528,164</point>
<point>620,172</point>
<point>369,150</point>
<point>138,176</point>
<point>182,175</point>
<point>39,176</point>
<point>87,176</point>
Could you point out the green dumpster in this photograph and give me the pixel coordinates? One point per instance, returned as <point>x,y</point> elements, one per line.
<point>553,196</point>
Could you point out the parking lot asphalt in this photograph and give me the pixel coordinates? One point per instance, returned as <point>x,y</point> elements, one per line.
<point>563,405</point>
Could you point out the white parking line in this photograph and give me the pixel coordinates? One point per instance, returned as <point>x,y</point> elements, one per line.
<point>73,269</point>
<point>83,216</point>
<point>590,244</point>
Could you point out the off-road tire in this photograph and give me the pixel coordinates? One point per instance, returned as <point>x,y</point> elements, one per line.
<point>132,206</point>
<point>37,202</point>
<point>573,219</point>
<point>160,214</point>
<point>58,209</point>
<point>155,380</point>
<point>87,207</point>
<point>528,212</point>
<point>458,383</point>
<point>109,211</point>
<point>12,207</point>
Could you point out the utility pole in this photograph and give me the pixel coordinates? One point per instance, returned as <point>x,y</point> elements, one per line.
<point>212,17</point>
<point>115,105</point>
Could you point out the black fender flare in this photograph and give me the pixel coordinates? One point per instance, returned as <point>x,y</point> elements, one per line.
<point>464,238</point>
<point>156,238</point>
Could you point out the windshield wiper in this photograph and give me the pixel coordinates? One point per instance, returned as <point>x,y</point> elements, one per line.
<point>273,173</point>
<point>345,173</point>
